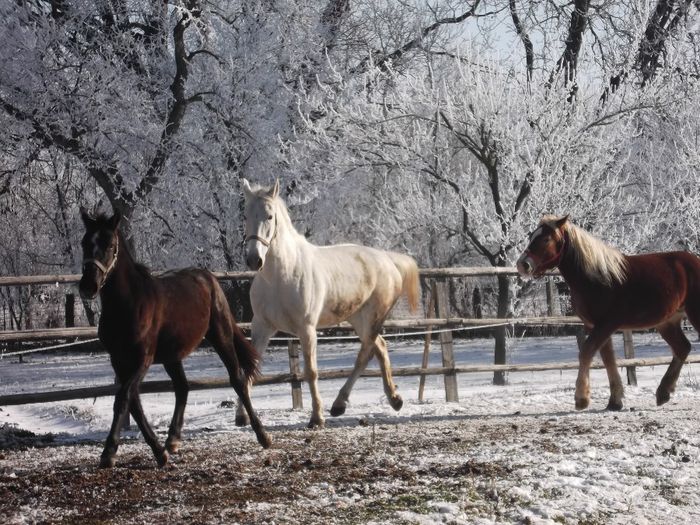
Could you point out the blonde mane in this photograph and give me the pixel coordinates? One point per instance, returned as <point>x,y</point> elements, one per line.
<point>598,260</point>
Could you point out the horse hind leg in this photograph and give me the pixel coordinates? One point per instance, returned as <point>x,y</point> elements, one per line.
<point>382,354</point>
<point>177,375</point>
<point>260,338</point>
<point>221,338</point>
<point>673,334</point>
<point>363,357</point>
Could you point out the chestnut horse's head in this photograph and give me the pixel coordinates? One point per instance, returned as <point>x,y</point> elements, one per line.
<point>546,247</point>
<point>261,222</point>
<point>100,250</point>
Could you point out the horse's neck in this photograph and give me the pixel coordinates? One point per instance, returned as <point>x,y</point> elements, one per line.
<point>574,274</point>
<point>124,283</point>
<point>286,252</point>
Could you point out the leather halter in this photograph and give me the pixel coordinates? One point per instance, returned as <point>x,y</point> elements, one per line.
<point>266,243</point>
<point>260,239</point>
<point>556,258</point>
<point>104,269</point>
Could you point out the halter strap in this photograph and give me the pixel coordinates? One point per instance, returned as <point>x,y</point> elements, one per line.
<point>556,258</point>
<point>262,241</point>
<point>105,269</point>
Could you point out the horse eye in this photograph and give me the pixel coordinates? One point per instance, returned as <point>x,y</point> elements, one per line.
<point>269,217</point>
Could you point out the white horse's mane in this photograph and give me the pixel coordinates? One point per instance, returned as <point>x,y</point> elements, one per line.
<point>598,260</point>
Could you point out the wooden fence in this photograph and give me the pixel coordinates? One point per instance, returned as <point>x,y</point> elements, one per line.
<point>437,317</point>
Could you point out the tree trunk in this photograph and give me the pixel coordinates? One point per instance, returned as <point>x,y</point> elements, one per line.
<point>502,332</point>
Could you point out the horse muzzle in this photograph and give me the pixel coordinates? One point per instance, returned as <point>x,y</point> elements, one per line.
<point>525,267</point>
<point>90,283</point>
<point>254,261</point>
<point>88,289</point>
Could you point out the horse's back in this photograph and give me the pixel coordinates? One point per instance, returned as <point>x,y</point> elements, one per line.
<point>668,270</point>
<point>186,298</point>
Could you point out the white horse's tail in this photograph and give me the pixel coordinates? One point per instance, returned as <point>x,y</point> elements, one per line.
<point>409,272</point>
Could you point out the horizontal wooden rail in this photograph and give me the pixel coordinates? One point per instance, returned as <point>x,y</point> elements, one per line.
<point>460,271</point>
<point>90,332</point>
<point>151,387</point>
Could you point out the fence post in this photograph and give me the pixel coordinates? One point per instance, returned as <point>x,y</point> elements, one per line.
<point>297,400</point>
<point>430,312</point>
<point>448,358</point>
<point>629,354</point>
<point>550,297</point>
<point>70,310</point>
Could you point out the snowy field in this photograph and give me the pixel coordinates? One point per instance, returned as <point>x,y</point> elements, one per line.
<point>513,454</point>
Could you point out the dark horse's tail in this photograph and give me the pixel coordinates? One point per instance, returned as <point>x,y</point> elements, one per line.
<point>248,356</point>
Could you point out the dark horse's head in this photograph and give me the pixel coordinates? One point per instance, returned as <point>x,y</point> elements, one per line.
<point>546,247</point>
<point>100,250</point>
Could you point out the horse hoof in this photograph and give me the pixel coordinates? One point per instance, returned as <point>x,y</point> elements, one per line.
<point>264,440</point>
<point>396,402</point>
<point>173,445</point>
<point>107,461</point>
<point>662,396</point>
<point>582,403</point>
<point>162,459</point>
<point>242,421</point>
<point>337,410</point>
<point>614,406</point>
<point>316,423</point>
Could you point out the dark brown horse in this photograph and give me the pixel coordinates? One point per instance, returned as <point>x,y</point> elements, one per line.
<point>612,291</point>
<point>149,320</point>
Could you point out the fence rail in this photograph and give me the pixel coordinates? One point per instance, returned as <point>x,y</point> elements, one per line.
<point>442,323</point>
<point>457,271</point>
<point>152,387</point>
<point>90,332</point>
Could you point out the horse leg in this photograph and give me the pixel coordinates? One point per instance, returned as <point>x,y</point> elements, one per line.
<point>127,397</point>
<point>593,342</point>
<point>260,334</point>
<point>308,346</point>
<point>382,354</point>
<point>673,334</point>
<point>177,374</point>
<point>363,357</point>
<point>617,391</point>
<point>149,436</point>
<point>224,347</point>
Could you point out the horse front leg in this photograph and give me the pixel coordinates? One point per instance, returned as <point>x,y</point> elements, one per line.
<point>128,384</point>
<point>260,335</point>
<point>617,390</point>
<point>149,436</point>
<point>308,347</point>
<point>590,346</point>
<point>177,375</point>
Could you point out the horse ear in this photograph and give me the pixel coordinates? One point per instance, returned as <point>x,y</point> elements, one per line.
<point>275,190</point>
<point>246,186</point>
<point>561,221</point>
<point>87,220</point>
<point>115,220</point>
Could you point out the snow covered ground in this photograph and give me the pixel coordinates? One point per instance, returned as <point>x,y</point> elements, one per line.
<point>513,454</point>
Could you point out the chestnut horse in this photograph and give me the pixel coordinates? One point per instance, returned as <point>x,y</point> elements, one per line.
<point>611,291</point>
<point>149,320</point>
<point>300,287</point>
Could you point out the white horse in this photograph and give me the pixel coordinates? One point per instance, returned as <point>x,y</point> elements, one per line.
<point>301,287</point>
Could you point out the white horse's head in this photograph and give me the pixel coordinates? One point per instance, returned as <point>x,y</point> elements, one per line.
<point>260,222</point>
